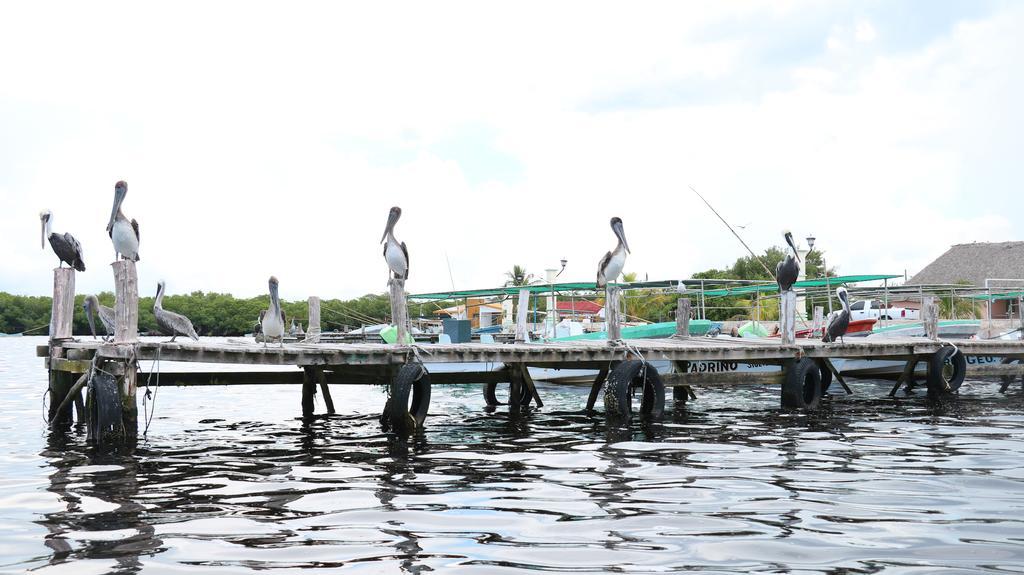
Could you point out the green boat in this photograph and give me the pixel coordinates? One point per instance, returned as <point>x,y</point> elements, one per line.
<point>648,331</point>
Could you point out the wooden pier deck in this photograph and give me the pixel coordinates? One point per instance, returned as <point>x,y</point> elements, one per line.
<point>569,354</point>
<point>110,371</point>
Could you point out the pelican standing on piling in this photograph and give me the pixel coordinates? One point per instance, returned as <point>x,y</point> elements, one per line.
<point>272,319</point>
<point>170,323</point>
<point>788,269</point>
<point>92,306</point>
<point>611,264</point>
<point>395,253</point>
<point>122,231</point>
<point>65,245</point>
<point>838,321</point>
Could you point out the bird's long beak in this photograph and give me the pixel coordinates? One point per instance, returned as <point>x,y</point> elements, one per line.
<point>274,299</point>
<point>392,220</point>
<point>118,198</point>
<point>88,315</point>
<point>617,228</point>
<point>789,240</point>
<point>42,233</point>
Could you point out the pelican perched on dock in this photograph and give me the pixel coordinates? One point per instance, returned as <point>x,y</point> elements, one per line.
<point>838,321</point>
<point>272,319</point>
<point>92,306</point>
<point>395,253</point>
<point>612,263</point>
<point>170,323</point>
<point>65,245</point>
<point>788,269</point>
<point>123,232</point>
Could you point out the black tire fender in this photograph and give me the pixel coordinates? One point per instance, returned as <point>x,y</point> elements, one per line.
<point>103,406</point>
<point>401,415</point>
<point>491,397</point>
<point>801,387</point>
<point>618,399</point>
<point>946,370</point>
<point>826,376</point>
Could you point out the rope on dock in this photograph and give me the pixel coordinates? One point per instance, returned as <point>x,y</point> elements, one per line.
<point>151,395</point>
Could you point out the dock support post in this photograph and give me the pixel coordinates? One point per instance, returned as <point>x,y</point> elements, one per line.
<point>308,391</point>
<point>523,309</point>
<point>63,311</point>
<point>313,329</point>
<point>325,390</point>
<point>126,331</point>
<point>611,313</point>
<point>930,315</point>
<point>399,309</point>
<point>62,315</point>
<point>126,302</point>
<point>818,324</point>
<point>787,317</point>
<point>683,318</point>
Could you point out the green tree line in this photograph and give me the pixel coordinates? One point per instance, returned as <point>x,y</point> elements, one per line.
<point>211,313</point>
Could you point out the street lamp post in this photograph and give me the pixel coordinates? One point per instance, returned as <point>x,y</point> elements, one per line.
<point>824,267</point>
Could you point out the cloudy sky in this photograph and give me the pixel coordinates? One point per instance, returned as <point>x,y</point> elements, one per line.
<point>263,139</point>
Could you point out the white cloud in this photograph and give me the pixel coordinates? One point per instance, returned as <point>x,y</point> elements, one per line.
<point>257,140</point>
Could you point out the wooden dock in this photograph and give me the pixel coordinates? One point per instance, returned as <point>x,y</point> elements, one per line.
<point>110,371</point>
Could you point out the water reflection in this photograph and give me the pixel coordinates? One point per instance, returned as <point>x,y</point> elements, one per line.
<point>726,483</point>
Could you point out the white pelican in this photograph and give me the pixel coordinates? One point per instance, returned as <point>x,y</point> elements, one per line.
<point>788,269</point>
<point>170,323</point>
<point>65,245</point>
<point>395,253</point>
<point>272,319</point>
<point>124,233</point>
<point>612,263</point>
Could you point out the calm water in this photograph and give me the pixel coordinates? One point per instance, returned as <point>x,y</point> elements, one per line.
<point>230,481</point>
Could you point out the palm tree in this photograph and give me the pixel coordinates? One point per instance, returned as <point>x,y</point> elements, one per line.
<point>518,276</point>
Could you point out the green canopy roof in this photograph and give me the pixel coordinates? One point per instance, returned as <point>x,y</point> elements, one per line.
<point>774,287</point>
<point>997,296</point>
<point>747,287</point>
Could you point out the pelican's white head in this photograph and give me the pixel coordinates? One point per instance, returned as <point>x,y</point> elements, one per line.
<point>44,222</point>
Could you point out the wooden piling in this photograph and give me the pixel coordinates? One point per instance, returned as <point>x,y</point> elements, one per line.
<point>611,312</point>
<point>818,323</point>
<point>129,403</point>
<point>683,318</point>
<point>930,316</point>
<point>787,317</point>
<point>325,390</point>
<point>313,329</point>
<point>126,302</point>
<point>62,313</point>
<point>308,390</point>
<point>399,309</point>
<point>522,333</point>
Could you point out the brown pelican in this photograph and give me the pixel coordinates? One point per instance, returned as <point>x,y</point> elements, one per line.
<point>66,247</point>
<point>788,269</point>
<point>612,262</point>
<point>92,306</point>
<point>124,233</point>
<point>272,318</point>
<point>170,323</point>
<point>395,253</point>
<point>838,321</point>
